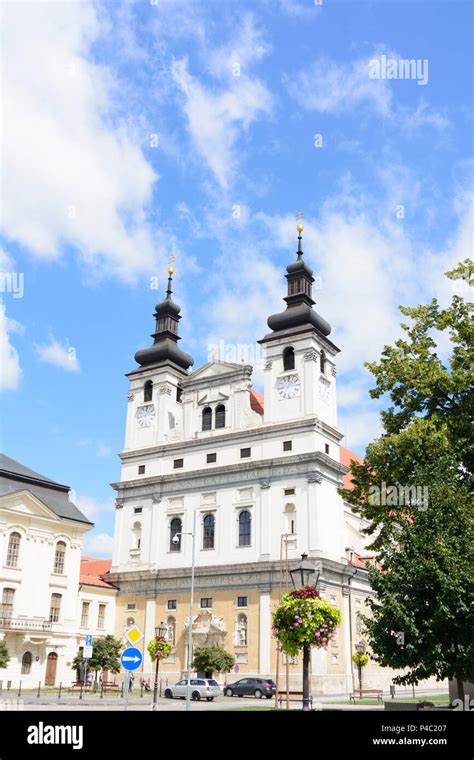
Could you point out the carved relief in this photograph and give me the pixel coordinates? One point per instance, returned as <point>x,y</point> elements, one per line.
<point>131,396</point>
<point>311,355</point>
<point>268,364</point>
<point>333,370</point>
<point>315,477</point>
<point>164,389</point>
<point>207,629</point>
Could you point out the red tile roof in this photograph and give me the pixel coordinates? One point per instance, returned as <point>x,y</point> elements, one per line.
<point>256,401</point>
<point>92,569</point>
<point>346,456</point>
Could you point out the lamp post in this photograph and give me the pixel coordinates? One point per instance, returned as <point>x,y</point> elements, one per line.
<point>300,576</point>
<point>176,539</point>
<point>160,633</point>
<point>360,647</point>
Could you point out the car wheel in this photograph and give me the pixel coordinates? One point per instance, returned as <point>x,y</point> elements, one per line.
<point>209,699</point>
<point>229,693</point>
<point>196,696</point>
<point>258,694</point>
<point>240,695</point>
<point>168,694</point>
<point>268,696</point>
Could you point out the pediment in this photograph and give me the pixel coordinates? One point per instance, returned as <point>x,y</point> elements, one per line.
<point>212,370</point>
<point>25,503</point>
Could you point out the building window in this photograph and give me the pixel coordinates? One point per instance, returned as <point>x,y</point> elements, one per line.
<point>137,510</point>
<point>287,445</point>
<point>148,391</point>
<point>209,526</point>
<point>7,603</point>
<point>85,614</point>
<point>241,631</point>
<point>322,362</point>
<point>242,601</point>
<point>136,537</point>
<point>288,358</point>
<point>206,602</point>
<point>55,608</point>
<point>131,606</point>
<point>245,522</point>
<point>175,533</point>
<point>59,556</point>
<point>177,464</point>
<point>26,661</point>
<point>289,492</point>
<point>171,634</point>
<point>179,394</point>
<point>210,458</point>
<point>13,551</point>
<point>326,448</point>
<point>207,418</point>
<point>172,604</point>
<point>290,519</point>
<point>245,453</point>
<point>220,416</point>
<point>101,617</point>
<point>141,469</point>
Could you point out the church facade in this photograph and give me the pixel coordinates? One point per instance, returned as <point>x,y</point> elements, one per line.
<point>254,479</point>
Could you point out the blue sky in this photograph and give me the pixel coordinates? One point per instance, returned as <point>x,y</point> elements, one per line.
<point>139,130</point>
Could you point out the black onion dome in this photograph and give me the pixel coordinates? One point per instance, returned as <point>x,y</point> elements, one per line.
<point>299,314</point>
<point>298,266</point>
<point>167,307</point>
<point>164,350</point>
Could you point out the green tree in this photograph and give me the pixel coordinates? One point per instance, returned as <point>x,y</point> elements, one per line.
<point>414,488</point>
<point>4,656</point>
<point>211,660</point>
<point>105,656</point>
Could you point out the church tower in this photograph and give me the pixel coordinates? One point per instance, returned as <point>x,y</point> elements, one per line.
<point>300,371</point>
<point>154,400</point>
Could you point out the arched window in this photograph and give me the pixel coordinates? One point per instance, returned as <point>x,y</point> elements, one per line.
<point>179,394</point>
<point>59,556</point>
<point>26,661</point>
<point>13,551</point>
<point>55,608</point>
<point>171,622</point>
<point>288,358</point>
<point>6,611</point>
<point>207,418</point>
<point>322,362</point>
<point>241,631</point>
<point>148,391</point>
<point>209,527</point>
<point>245,522</point>
<point>175,532</point>
<point>220,416</point>
<point>136,538</point>
<point>290,518</point>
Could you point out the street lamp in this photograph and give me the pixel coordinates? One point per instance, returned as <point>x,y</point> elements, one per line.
<point>360,648</point>
<point>300,576</point>
<point>176,538</point>
<point>160,633</point>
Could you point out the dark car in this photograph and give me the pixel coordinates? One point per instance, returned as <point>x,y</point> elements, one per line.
<point>251,687</point>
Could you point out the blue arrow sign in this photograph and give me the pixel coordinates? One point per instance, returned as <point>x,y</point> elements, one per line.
<point>131,658</point>
<point>88,640</point>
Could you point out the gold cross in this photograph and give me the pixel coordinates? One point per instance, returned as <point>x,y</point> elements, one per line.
<point>170,264</point>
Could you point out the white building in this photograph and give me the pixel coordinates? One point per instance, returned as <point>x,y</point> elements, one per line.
<point>44,586</point>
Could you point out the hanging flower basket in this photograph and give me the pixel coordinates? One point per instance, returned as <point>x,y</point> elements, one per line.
<point>304,619</point>
<point>360,658</point>
<point>159,648</point>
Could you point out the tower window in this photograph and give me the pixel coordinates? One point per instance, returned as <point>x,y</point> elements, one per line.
<point>245,453</point>
<point>141,469</point>
<point>207,418</point>
<point>220,416</point>
<point>210,458</point>
<point>287,445</point>
<point>289,491</point>
<point>288,358</point>
<point>148,391</point>
<point>322,362</point>
<point>179,394</point>
<point>177,464</point>
<point>326,448</point>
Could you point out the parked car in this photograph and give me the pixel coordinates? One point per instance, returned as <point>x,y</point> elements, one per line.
<point>201,688</point>
<point>251,687</point>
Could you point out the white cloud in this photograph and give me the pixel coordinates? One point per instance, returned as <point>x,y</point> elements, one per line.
<point>10,370</point>
<point>73,177</point>
<point>59,355</point>
<point>217,115</point>
<point>99,545</point>
<point>91,507</point>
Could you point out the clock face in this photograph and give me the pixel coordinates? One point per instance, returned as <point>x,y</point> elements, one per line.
<point>145,415</point>
<point>324,390</point>
<point>288,387</point>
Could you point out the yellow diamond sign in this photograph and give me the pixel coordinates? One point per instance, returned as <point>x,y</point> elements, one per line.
<point>133,635</point>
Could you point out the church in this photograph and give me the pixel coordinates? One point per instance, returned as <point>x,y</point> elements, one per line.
<point>254,479</point>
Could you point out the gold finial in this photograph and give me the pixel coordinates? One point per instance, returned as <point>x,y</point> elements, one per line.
<point>170,265</point>
<point>299,215</point>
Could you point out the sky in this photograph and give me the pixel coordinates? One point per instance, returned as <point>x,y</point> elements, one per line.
<point>137,130</point>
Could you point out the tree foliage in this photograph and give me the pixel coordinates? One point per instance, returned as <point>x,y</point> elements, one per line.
<point>422,615</point>
<point>4,656</point>
<point>105,655</point>
<point>211,660</point>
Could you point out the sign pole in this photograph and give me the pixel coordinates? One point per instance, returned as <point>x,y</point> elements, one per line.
<point>127,686</point>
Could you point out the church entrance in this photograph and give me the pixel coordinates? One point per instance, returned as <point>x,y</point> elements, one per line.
<point>51,665</point>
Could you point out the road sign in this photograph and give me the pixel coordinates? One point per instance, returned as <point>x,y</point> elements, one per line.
<point>87,652</point>
<point>134,635</point>
<point>89,640</point>
<point>131,658</point>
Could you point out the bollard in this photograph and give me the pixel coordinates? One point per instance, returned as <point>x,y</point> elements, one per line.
<point>1,687</point>
<point>141,688</point>
<point>159,693</point>
<point>39,689</point>
<point>121,693</point>
<point>19,690</point>
<point>60,689</point>
<point>80,693</point>
<point>102,690</point>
